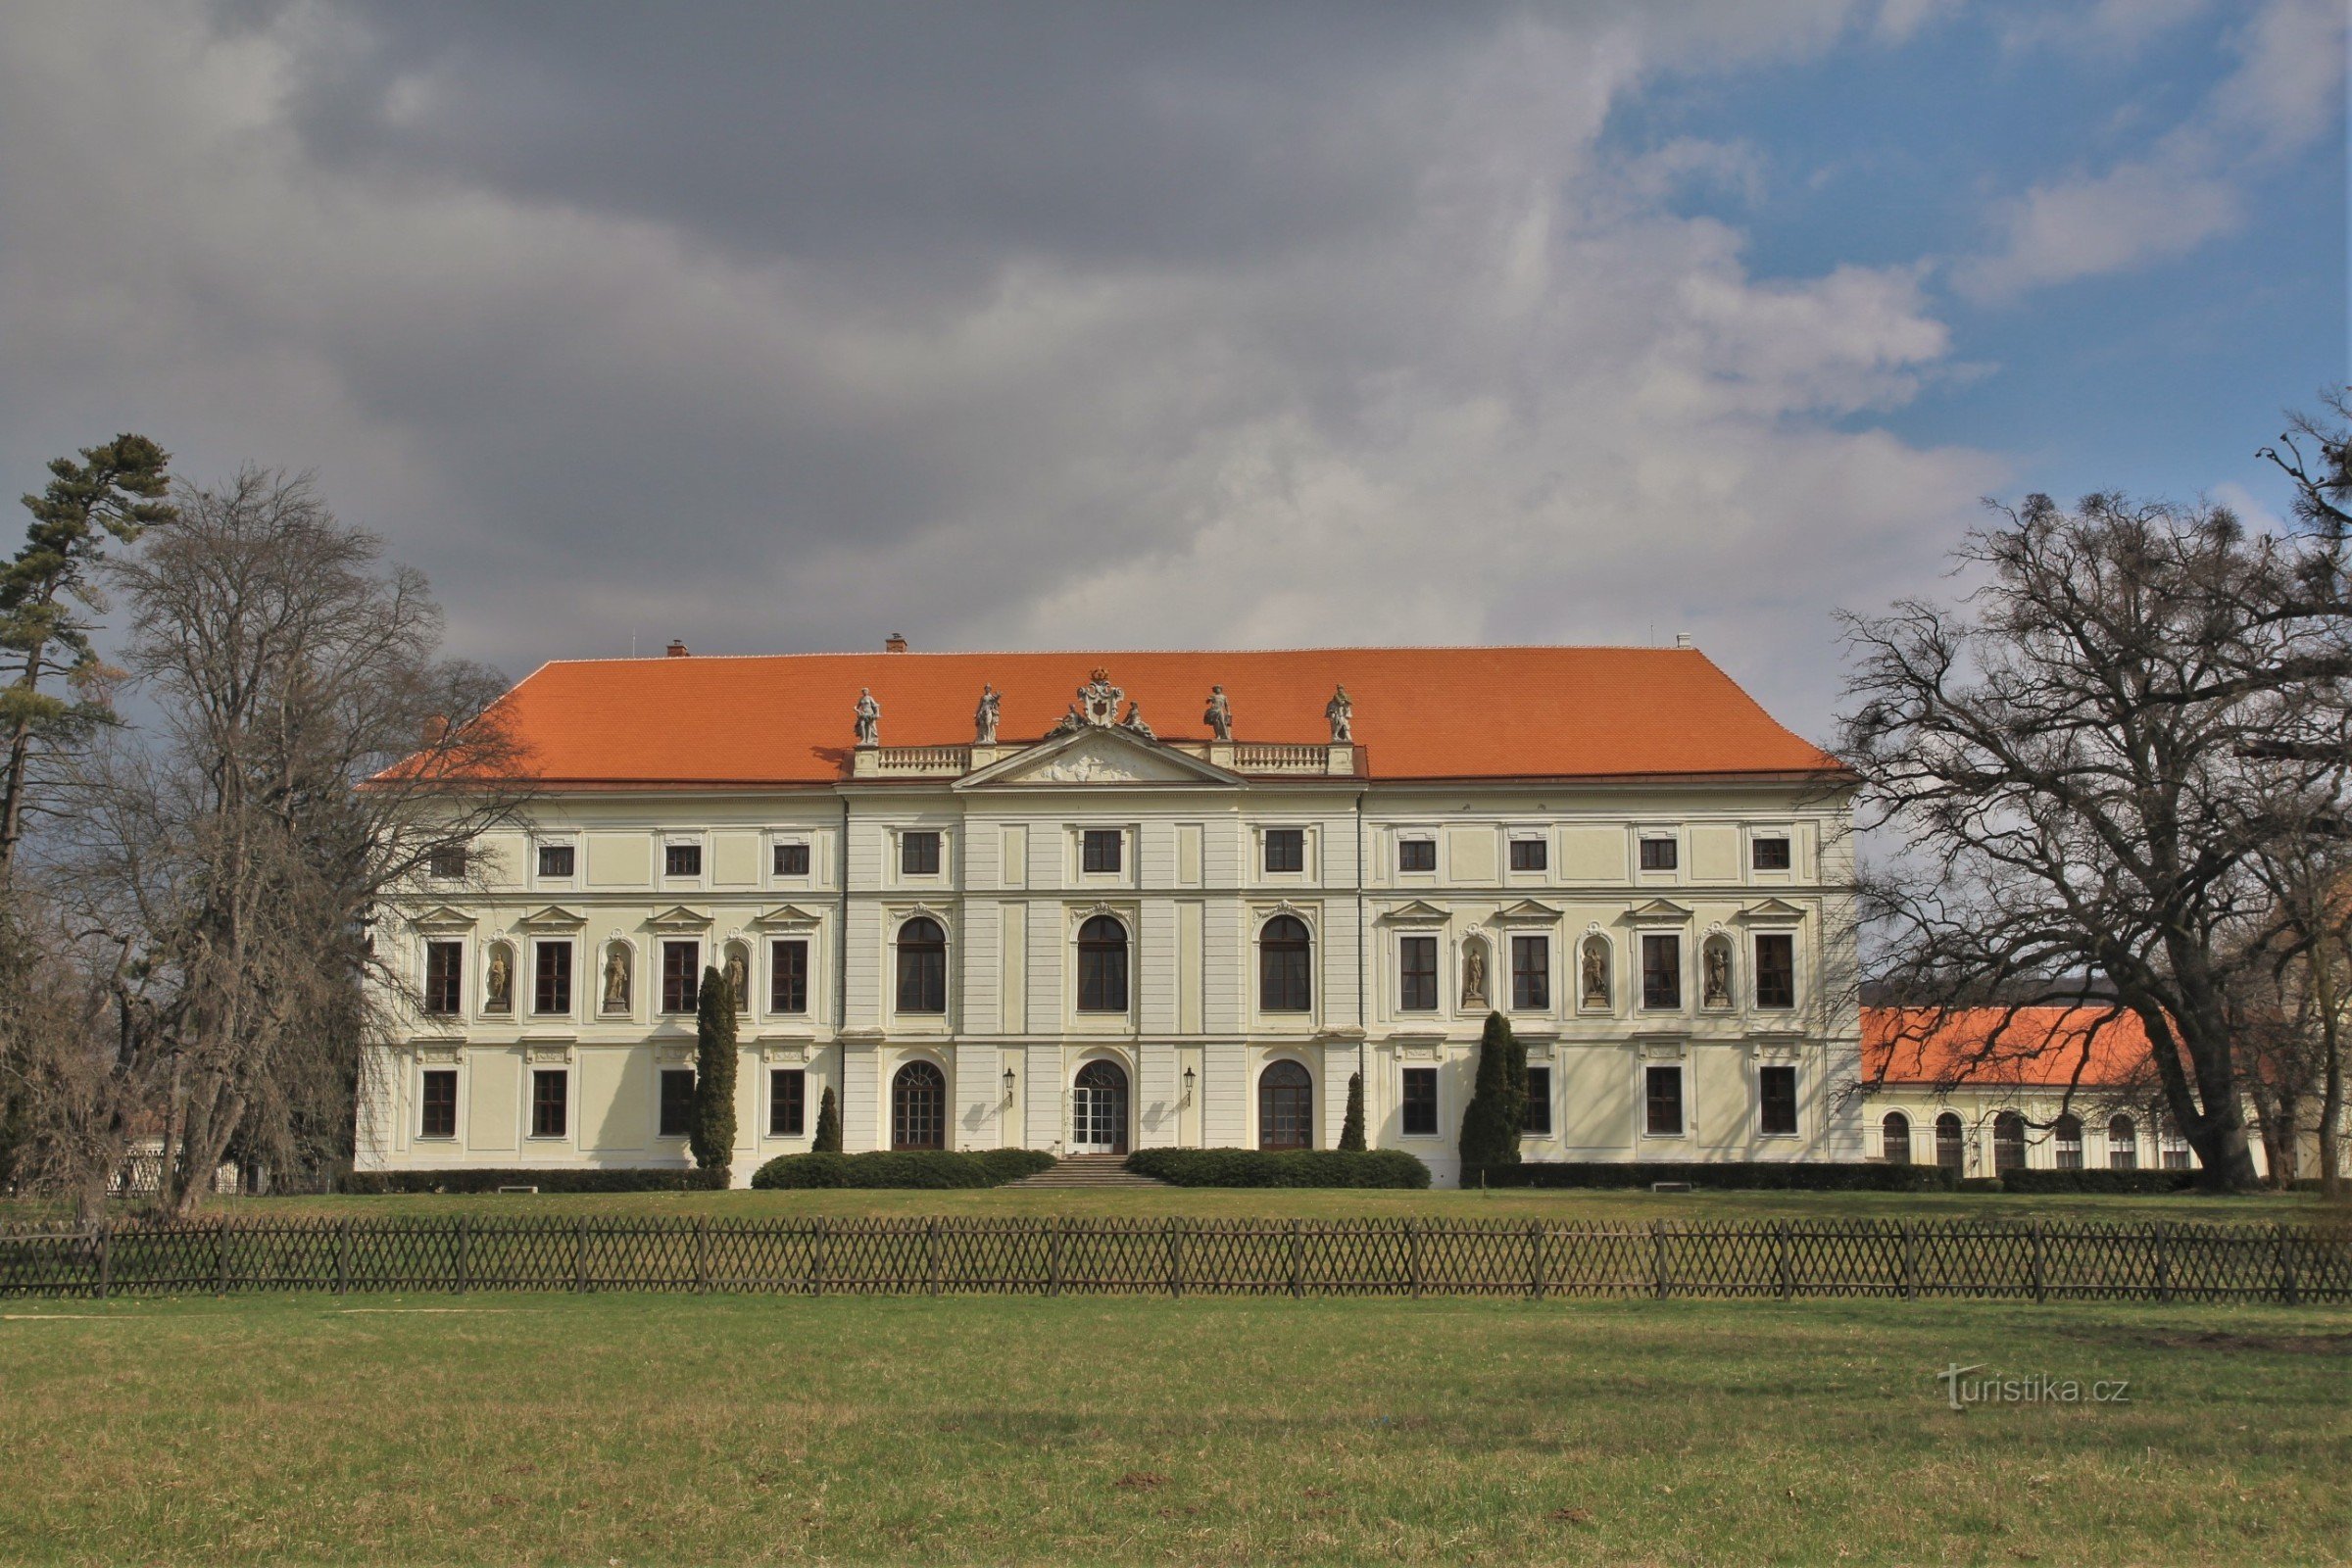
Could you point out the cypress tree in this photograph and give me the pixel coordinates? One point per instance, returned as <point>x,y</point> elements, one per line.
<point>1352,1131</point>
<point>714,1127</point>
<point>1499,1102</point>
<point>828,1125</point>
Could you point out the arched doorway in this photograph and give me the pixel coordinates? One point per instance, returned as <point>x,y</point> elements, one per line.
<point>1286,1102</point>
<point>1951,1148</point>
<point>1098,1110</point>
<point>1894,1139</point>
<point>918,1108</point>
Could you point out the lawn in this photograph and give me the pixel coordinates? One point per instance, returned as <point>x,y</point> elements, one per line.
<point>638,1429</point>
<point>1329,1204</point>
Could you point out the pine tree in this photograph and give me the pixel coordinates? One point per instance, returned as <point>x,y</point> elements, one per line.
<point>115,491</point>
<point>1499,1102</point>
<point>828,1125</point>
<point>714,1127</point>
<point>1352,1131</point>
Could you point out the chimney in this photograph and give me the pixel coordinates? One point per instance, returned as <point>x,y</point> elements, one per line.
<point>677,649</point>
<point>894,643</point>
<point>1681,639</point>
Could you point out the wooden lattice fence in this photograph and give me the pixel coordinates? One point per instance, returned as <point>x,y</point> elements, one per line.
<point>2005,1260</point>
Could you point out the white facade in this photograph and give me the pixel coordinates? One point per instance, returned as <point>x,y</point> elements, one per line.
<point>1403,887</point>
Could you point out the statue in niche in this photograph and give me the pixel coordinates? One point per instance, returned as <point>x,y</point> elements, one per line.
<point>1474,974</point>
<point>617,978</point>
<point>1219,717</point>
<point>739,980</point>
<point>1340,710</point>
<point>499,979</point>
<point>1715,984</point>
<point>984,717</point>
<point>869,718</point>
<point>1595,990</point>
<point>1134,724</point>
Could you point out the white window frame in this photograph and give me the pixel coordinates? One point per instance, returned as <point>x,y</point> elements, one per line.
<point>1309,854</point>
<point>1399,838</point>
<point>698,842</point>
<point>903,877</point>
<point>1756,1095</point>
<point>1682,1071</point>
<point>926,1023</point>
<point>1435,935</point>
<point>1682,973</point>
<point>1508,961</point>
<point>773,940</point>
<point>558,841</point>
<point>456,1136</point>
<point>1436,1070</point>
<point>1786,835</point>
<point>1671,876</point>
<point>530,1104</point>
<point>531,1009</point>
<point>1527,835</point>
<point>777,839</point>
<point>1797,970</point>
<point>661,945</point>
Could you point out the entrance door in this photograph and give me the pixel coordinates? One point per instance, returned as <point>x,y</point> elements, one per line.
<point>1098,1110</point>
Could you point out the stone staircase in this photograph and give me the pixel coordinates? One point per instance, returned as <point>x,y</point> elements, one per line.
<point>1088,1173</point>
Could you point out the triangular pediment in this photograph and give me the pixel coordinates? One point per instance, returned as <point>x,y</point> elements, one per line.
<point>785,914</point>
<point>679,918</point>
<point>442,917</point>
<point>1657,911</point>
<point>1097,756</point>
<point>1527,909</point>
<point>1773,910</point>
<point>1418,912</point>
<point>554,917</point>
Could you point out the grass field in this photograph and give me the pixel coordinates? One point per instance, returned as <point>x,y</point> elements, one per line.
<point>1334,1204</point>
<point>637,1429</point>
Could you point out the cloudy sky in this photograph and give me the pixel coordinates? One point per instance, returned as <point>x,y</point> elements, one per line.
<point>782,327</point>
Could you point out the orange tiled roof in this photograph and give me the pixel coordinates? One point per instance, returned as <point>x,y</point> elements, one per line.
<point>1420,713</point>
<point>2023,1046</point>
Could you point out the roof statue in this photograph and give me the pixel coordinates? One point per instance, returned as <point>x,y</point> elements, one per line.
<point>984,717</point>
<point>869,717</point>
<point>1340,710</point>
<point>1219,717</point>
<point>1134,724</point>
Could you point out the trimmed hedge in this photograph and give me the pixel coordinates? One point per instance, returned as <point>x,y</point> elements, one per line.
<point>1292,1167</point>
<point>2097,1181</point>
<point>902,1167</point>
<point>627,1179</point>
<point>1750,1174</point>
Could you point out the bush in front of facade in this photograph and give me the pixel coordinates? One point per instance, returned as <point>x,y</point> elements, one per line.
<point>2097,1181</point>
<point>1497,1106</point>
<point>933,1168</point>
<point>1730,1174</point>
<point>1292,1167</point>
<point>627,1179</point>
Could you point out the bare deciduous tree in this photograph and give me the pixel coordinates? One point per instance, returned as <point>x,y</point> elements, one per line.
<point>2067,765</point>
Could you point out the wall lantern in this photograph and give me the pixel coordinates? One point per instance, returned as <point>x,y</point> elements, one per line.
<point>1008,1083</point>
<point>1190,1078</point>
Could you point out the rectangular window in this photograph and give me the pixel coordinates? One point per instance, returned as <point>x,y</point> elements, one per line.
<point>1768,855</point>
<point>792,860</point>
<point>1530,973</point>
<point>444,977</point>
<point>1099,848</point>
<point>448,863</point>
<point>1661,971</point>
<point>682,976</point>
<point>551,1095</point>
<point>1776,969</point>
<point>551,977</point>
<point>1417,974</point>
<point>1538,1120</point>
<point>1421,1101</point>
<point>1659,854</point>
<point>788,976</point>
<point>681,859</point>
<point>1286,849</point>
<point>678,1101</point>
<point>1529,854</point>
<point>918,854</point>
<point>557,861</point>
<point>1416,854</point>
<point>1775,1101</point>
<point>1662,1101</point>
<point>440,1102</point>
<point>787,1103</point>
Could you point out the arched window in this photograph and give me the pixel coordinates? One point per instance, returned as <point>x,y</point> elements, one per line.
<point>1951,1141</point>
<point>922,966</point>
<point>2068,1137</point>
<point>2008,1141</point>
<point>1284,961</point>
<point>1286,1095</point>
<point>1894,1139</point>
<point>1103,965</point>
<point>918,1108</point>
<point>2122,1144</point>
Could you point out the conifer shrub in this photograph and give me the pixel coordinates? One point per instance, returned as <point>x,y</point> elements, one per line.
<point>828,1125</point>
<point>1352,1131</point>
<point>1499,1101</point>
<point>711,1132</point>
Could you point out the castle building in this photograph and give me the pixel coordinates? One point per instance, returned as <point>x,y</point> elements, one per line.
<point>1094,902</point>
